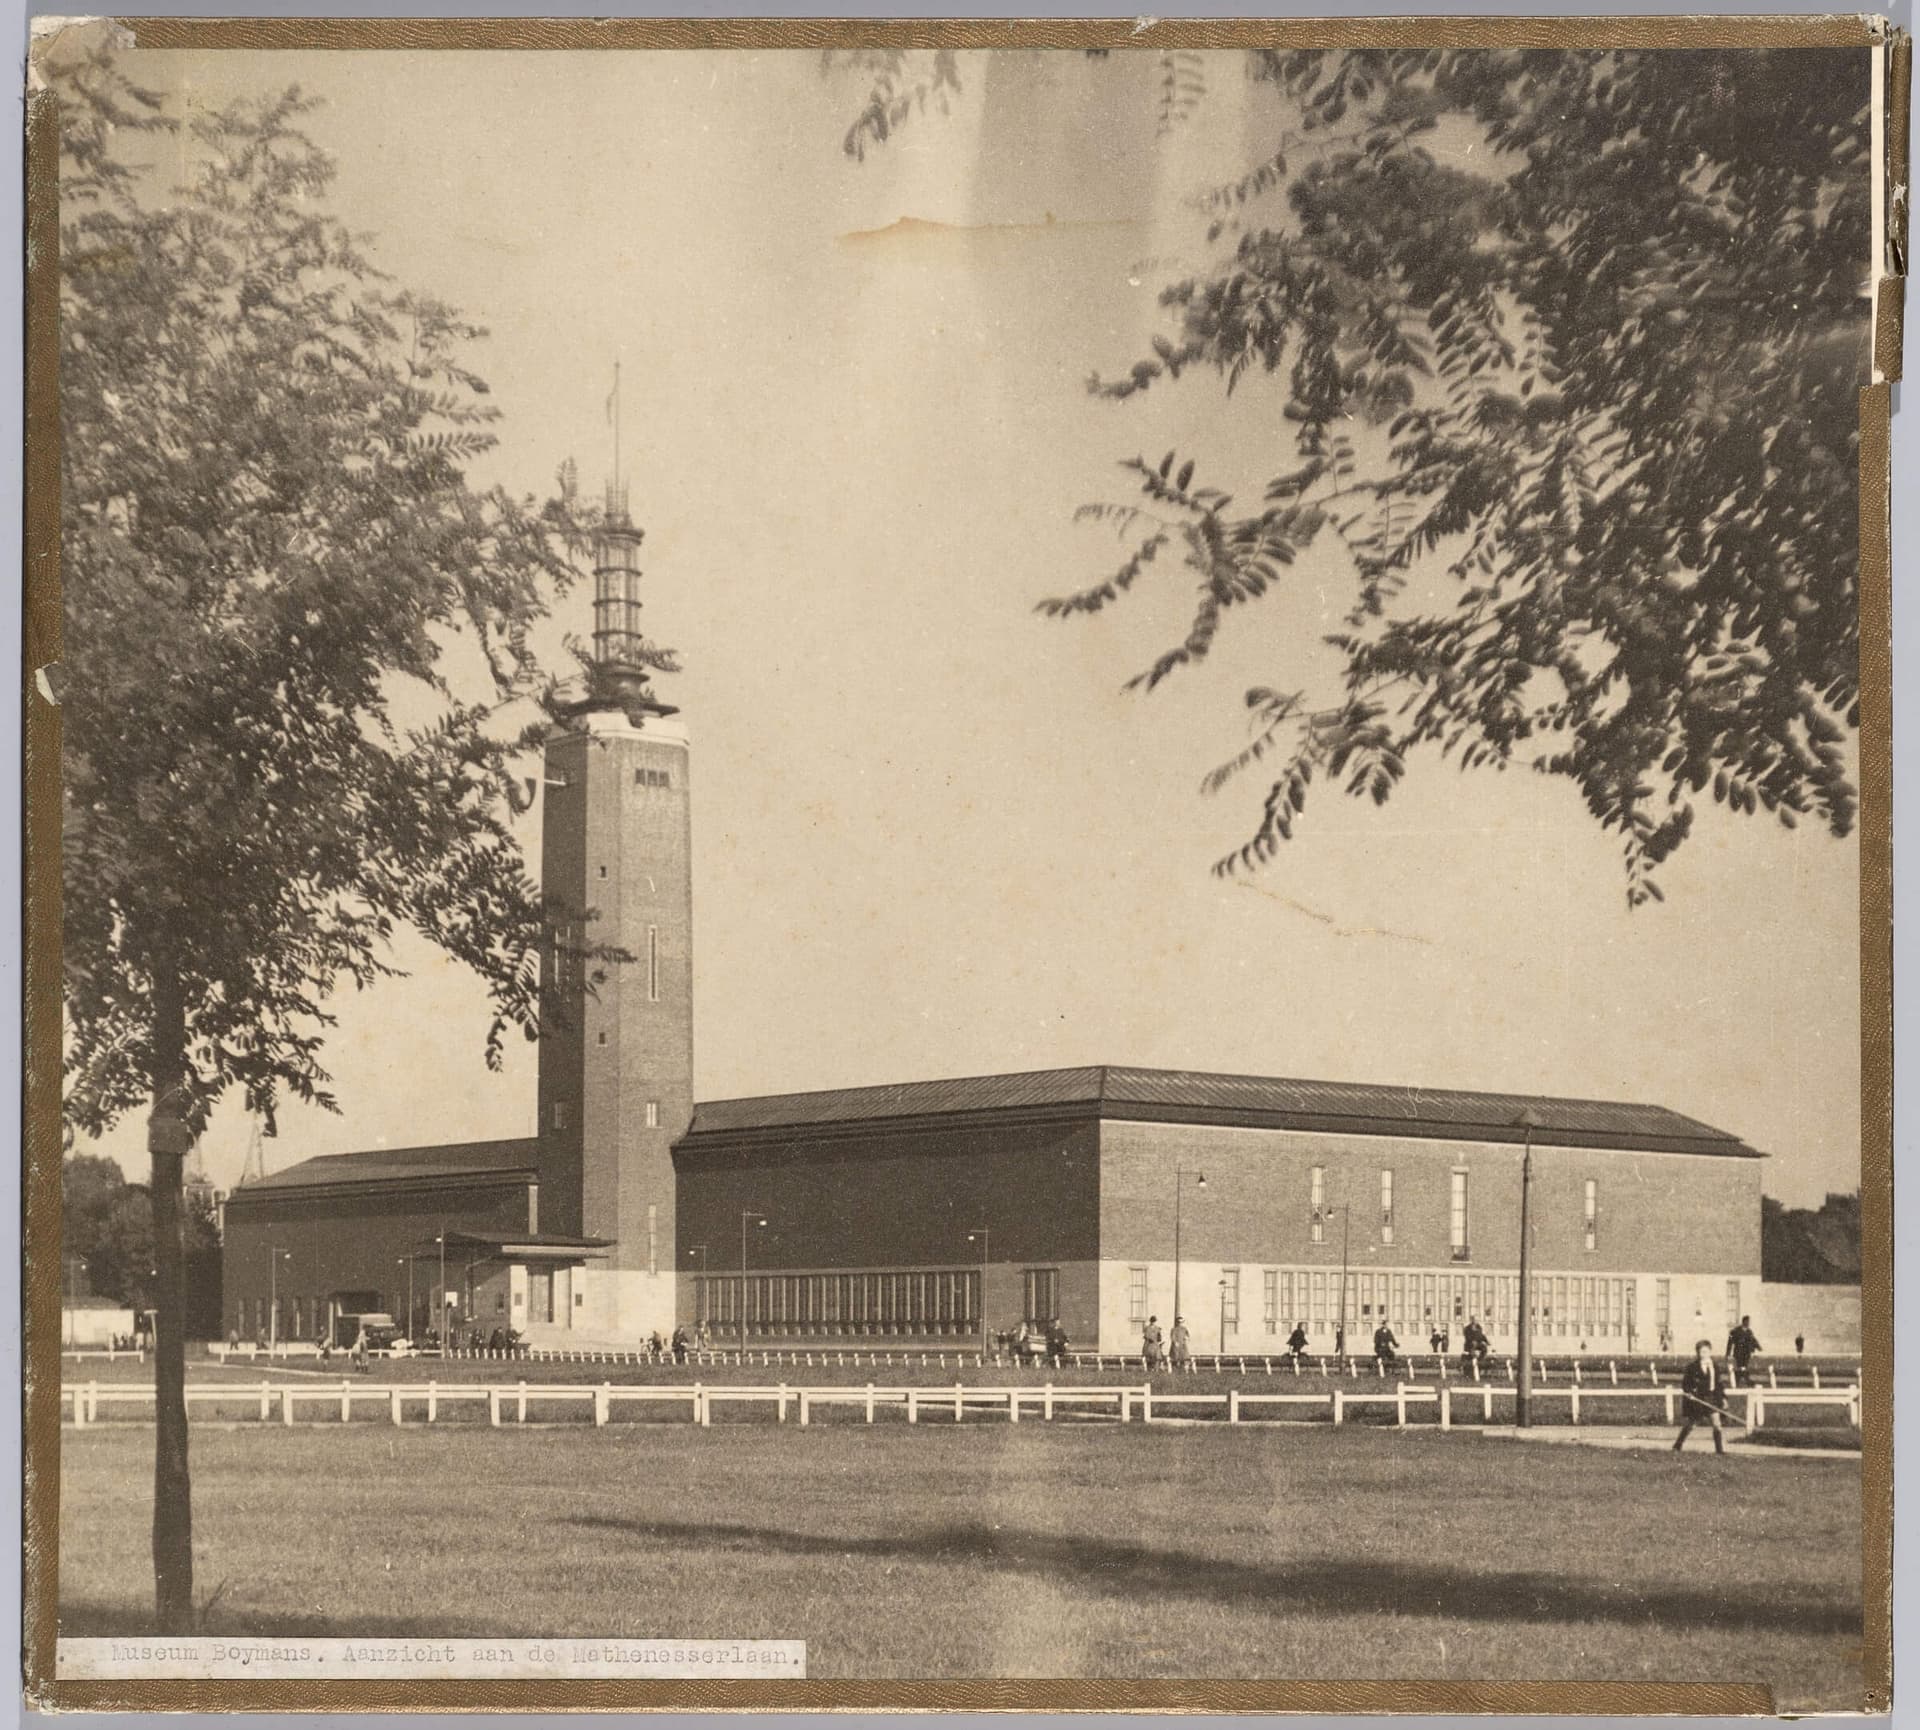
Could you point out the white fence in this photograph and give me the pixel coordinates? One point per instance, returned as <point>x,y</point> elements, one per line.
<point>1455,1402</point>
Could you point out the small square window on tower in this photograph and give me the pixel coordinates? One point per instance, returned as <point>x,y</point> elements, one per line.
<point>559,1114</point>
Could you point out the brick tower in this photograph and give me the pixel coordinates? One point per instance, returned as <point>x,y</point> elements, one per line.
<point>616,1078</point>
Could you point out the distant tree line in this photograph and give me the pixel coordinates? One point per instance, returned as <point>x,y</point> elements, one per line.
<point>107,1243</point>
<point>1811,1246</point>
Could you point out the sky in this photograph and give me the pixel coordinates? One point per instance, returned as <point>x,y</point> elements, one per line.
<point>932,836</point>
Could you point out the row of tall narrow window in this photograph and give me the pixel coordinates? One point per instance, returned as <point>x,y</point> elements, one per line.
<point>1458,1219</point>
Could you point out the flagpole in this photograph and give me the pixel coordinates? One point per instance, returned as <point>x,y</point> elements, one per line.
<point>616,423</point>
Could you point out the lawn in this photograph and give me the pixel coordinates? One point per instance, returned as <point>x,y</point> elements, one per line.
<point>1069,1550</point>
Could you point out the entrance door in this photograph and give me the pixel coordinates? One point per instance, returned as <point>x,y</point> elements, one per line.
<point>539,1294</point>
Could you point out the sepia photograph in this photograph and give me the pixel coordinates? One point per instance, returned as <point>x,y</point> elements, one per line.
<point>866,856</point>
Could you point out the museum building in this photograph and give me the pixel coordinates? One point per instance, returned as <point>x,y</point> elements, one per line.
<point>939,1210</point>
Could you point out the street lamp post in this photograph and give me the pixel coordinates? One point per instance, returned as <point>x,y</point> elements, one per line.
<point>1345,1211</point>
<point>408,1259</point>
<point>440,1303</point>
<point>1179,1184</point>
<point>274,1258</point>
<point>747,1216</point>
<point>1223,1318</point>
<point>1523,1389</point>
<point>985,1236</point>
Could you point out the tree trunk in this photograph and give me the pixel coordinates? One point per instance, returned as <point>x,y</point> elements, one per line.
<point>167,1143</point>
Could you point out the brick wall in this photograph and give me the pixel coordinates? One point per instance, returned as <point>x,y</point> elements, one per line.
<point>348,1242</point>
<point>617,855</point>
<point>904,1197</point>
<point>1672,1213</point>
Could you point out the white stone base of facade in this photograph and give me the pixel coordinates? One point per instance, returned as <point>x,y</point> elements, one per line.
<point>623,1304</point>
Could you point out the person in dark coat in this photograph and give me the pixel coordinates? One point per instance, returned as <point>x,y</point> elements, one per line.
<point>1800,1345</point>
<point>1741,1346</point>
<point>1385,1345</point>
<point>1056,1344</point>
<point>1180,1343</point>
<point>679,1345</point>
<point>1297,1341</point>
<point>1474,1345</point>
<point>1703,1397</point>
<point>1153,1343</point>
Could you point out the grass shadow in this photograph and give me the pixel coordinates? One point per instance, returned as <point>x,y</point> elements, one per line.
<point>1336,1586</point>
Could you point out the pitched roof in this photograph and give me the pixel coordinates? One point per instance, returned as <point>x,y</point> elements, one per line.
<point>394,1164</point>
<point>1117,1091</point>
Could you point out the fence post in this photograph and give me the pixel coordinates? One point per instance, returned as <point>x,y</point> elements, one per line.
<point>1576,1372</point>
<point>266,1402</point>
<point>493,1407</point>
<point>780,1404</point>
<point>959,1405</point>
<point>1046,1403</point>
<point>869,1402</point>
<point>520,1414</point>
<point>702,1407</point>
<point>1853,1407</point>
<point>1756,1410</point>
<point>1816,1378</point>
<point>1126,1405</point>
<point>1773,1379</point>
<point>1013,1405</point>
<point>346,1400</point>
<point>1613,1372</point>
<point>1669,1393</point>
<point>1146,1402</point>
<point>1336,1405</point>
<point>1573,1399</point>
<point>395,1397</point>
<point>1443,1367</point>
<point>286,1406</point>
<point>1233,1405</point>
<point>433,1401</point>
<point>1400,1405</point>
<point>1653,1374</point>
<point>806,1407</point>
<point>1446,1408</point>
<point>602,1404</point>
<point>913,1405</point>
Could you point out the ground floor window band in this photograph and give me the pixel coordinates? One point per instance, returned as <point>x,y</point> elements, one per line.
<point>920,1302</point>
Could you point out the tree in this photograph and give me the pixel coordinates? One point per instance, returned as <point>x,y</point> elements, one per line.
<point>106,1224</point>
<point>270,549</point>
<point>1579,421</point>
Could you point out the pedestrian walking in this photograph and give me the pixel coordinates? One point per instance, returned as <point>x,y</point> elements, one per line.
<point>679,1345</point>
<point>1742,1345</point>
<point>1297,1341</point>
<point>1181,1344</point>
<point>1799,1345</point>
<point>1385,1345</point>
<point>1153,1342</point>
<point>1703,1398</point>
<point>1056,1344</point>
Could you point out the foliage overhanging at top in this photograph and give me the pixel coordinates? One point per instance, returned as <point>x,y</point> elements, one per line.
<point>268,545</point>
<point>1582,417</point>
